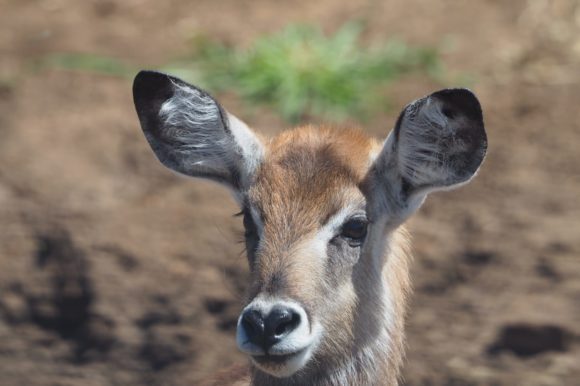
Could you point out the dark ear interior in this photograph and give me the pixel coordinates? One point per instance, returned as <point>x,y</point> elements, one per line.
<point>440,140</point>
<point>150,90</point>
<point>187,128</point>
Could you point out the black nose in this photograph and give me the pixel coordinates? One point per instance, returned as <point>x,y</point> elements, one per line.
<point>266,331</point>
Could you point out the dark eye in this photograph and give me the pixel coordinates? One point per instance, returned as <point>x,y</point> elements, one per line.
<point>249,225</point>
<point>355,230</point>
<point>251,237</point>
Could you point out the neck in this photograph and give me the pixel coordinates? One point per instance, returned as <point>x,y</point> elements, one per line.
<point>378,362</point>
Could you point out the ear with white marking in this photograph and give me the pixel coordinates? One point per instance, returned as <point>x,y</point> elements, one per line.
<point>192,134</point>
<point>438,143</point>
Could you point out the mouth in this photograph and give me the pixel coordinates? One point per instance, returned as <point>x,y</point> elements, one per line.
<point>283,365</point>
<point>270,359</point>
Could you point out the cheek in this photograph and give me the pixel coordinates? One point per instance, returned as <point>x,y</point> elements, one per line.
<point>338,310</point>
<point>340,261</point>
<point>322,267</point>
<point>336,293</point>
<point>340,296</point>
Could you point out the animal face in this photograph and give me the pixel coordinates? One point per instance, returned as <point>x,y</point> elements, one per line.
<point>306,226</point>
<point>321,209</point>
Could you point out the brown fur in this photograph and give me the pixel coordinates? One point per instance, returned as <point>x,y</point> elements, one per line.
<point>308,175</point>
<point>322,210</point>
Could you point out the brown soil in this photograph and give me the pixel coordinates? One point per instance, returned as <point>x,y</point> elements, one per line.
<point>115,271</point>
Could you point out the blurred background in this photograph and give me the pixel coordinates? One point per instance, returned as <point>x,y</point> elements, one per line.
<point>115,271</point>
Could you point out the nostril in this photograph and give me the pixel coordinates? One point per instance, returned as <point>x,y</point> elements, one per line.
<point>280,329</point>
<point>281,322</point>
<point>288,324</point>
<point>253,324</point>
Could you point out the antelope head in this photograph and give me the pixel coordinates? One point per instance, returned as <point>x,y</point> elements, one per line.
<point>322,212</point>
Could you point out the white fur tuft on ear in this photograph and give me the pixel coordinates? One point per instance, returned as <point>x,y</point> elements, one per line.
<point>188,109</point>
<point>192,134</point>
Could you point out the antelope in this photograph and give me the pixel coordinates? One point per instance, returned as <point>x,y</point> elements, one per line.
<point>323,211</point>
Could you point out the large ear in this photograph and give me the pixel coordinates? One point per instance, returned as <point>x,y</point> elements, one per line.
<point>438,143</point>
<point>192,134</point>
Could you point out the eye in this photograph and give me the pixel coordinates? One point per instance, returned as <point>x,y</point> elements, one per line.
<point>251,237</point>
<point>355,230</point>
<point>249,225</point>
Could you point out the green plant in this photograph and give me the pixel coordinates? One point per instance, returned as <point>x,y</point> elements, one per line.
<point>302,72</point>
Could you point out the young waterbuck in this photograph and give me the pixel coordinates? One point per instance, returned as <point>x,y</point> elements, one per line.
<point>323,210</point>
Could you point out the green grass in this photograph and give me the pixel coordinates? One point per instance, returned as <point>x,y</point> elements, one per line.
<point>300,72</point>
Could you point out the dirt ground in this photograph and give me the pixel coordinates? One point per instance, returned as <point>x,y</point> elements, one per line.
<point>115,271</point>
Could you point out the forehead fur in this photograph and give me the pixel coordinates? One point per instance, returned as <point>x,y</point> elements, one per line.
<point>311,169</point>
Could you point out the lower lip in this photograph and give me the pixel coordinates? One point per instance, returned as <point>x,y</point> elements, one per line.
<point>278,359</point>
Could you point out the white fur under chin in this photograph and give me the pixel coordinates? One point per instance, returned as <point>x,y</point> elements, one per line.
<point>288,368</point>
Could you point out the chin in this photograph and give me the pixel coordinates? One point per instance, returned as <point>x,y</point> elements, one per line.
<point>283,366</point>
